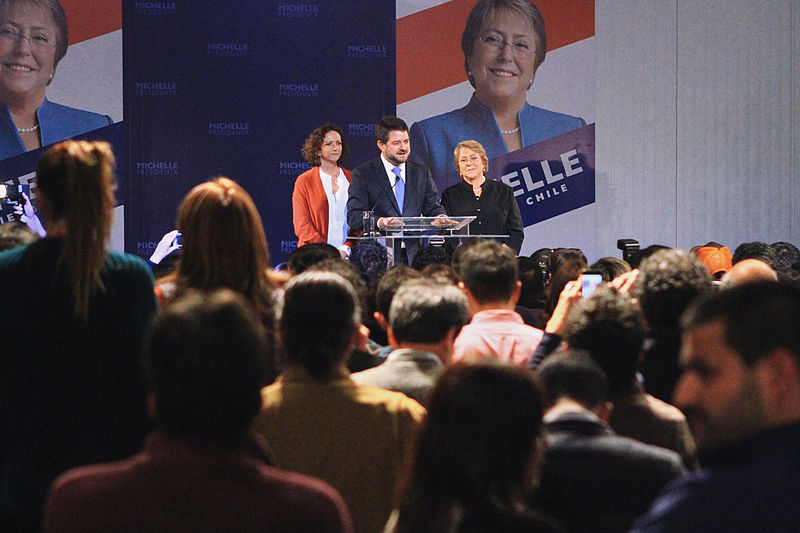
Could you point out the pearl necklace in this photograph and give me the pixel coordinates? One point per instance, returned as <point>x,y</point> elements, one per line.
<point>510,132</point>
<point>28,130</point>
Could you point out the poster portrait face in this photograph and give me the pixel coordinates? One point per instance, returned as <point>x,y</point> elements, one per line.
<point>44,100</point>
<point>28,41</point>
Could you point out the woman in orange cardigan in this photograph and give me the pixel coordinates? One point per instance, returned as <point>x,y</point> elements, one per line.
<point>319,199</point>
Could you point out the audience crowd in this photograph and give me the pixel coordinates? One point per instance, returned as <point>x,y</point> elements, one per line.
<point>472,391</point>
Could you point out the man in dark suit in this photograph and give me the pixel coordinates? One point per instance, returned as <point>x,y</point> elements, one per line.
<point>390,186</point>
<point>593,479</point>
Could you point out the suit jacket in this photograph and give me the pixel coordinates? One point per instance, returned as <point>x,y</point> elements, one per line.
<point>645,418</point>
<point>496,210</point>
<point>310,207</point>
<point>596,481</point>
<point>370,190</point>
<point>353,436</point>
<point>181,484</point>
<point>56,123</point>
<point>412,372</point>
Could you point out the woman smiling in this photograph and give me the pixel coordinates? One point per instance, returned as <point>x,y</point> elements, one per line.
<point>504,43</point>
<point>491,202</point>
<point>33,39</point>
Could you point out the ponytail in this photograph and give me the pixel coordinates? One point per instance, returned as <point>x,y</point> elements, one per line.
<point>75,178</point>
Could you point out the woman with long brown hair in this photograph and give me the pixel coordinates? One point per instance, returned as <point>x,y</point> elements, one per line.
<point>70,375</point>
<point>224,245</point>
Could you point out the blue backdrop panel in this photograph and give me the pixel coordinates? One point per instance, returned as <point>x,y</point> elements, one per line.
<point>234,88</point>
<point>21,168</point>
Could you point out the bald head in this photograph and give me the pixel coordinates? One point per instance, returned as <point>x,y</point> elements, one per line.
<point>748,270</point>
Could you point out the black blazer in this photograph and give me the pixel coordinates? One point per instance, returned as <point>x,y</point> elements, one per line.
<point>497,210</point>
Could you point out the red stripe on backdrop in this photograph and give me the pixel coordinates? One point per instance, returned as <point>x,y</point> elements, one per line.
<point>91,18</point>
<point>429,56</point>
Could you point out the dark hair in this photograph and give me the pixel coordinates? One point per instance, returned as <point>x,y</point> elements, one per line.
<point>574,375</point>
<point>610,328</point>
<point>481,12</point>
<point>13,234</point>
<point>531,295</point>
<point>475,446</point>
<point>423,311</point>
<point>313,144</point>
<point>489,270</point>
<point>568,271</point>
<point>370,258</point>
<point>303,258</point>
<point>430,255</point>
<point>561,256</point>
<point>756,250</point>
<point>610,267</point>
<point>441,273</point>
<point>319,316</point>
<point>54,9</point>
<point>387,125</point>
<point>205,363</point>
<point>75,180</point>
<point>668,281</point>
<point>757,317</point>
<point>350,273</point>
<point>389,284</point>
<point>788,255</point>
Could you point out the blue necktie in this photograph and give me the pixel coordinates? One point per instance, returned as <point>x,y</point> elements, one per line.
<point>399,188</point>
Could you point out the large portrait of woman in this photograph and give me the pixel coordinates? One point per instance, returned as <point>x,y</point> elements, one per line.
<point>45,98</point>
<point>503,44</point>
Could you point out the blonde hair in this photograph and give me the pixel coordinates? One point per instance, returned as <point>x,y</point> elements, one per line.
<point>75,180</point>
<point>475,146</point>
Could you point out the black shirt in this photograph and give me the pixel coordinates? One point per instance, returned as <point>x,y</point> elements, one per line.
<point>496,209</point>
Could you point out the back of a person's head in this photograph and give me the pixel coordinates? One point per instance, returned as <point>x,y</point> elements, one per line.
<point>788,255</point>
<point>424,311</point>
<point>224,244</point>
<point>747,271</point>
<point>206,362</point>
<point>568,271</point>
<point>431,255</point>
<point>439,272</point>
<point>318,319</point>
<point>668,281</point>
<point>303,258</point>
<point>389,284</point>
<point>370,258</point>
<point>531,293</point>
<point>74,180</point>
<point>610,267</point>
<point>560,256</point>
<point>757,318</point>
<point>756,250</point>
<point>489,270</point>
<point>476,444</point>
<point>610,328</point>
<point>350,273</point>
<point>573,375</point>
<point>13,234</point>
